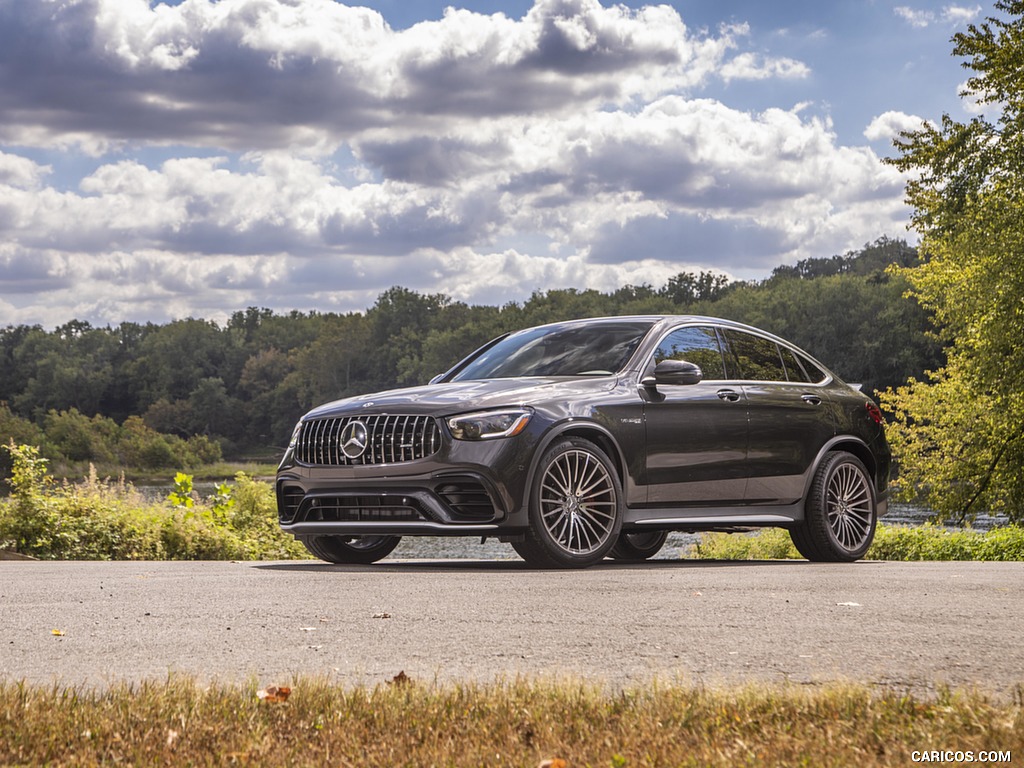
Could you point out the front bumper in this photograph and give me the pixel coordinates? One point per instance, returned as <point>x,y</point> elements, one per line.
<point>466,488</point>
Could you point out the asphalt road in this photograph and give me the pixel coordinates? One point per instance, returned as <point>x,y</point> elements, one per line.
<point>911,626</point>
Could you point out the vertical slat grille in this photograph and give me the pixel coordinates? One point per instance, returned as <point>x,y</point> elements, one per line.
<point>385,439</point>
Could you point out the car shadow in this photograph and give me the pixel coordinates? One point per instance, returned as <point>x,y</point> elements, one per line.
<point>455,565</point>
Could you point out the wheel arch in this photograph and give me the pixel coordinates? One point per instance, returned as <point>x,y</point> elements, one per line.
<point>849,444</point>
<point>587,430</point>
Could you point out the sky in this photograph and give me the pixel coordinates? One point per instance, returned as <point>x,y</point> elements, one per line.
<point>194,158</point>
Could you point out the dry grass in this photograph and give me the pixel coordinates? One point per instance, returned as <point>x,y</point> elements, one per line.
<point>516,723</point>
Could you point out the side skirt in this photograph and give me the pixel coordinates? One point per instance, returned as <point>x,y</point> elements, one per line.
<point>713,518</point>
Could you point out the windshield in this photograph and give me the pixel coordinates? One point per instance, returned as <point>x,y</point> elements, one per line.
<point>596,349</point>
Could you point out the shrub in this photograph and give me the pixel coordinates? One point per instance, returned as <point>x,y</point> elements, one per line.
<point>892,542</point>
<point>102,520</point>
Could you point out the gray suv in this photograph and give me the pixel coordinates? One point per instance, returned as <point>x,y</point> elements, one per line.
<point>591,438</point>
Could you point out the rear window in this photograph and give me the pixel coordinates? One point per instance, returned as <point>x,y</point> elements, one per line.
<point>754,357</point>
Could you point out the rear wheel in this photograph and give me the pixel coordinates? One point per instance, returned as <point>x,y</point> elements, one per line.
<point>575,507</point>
<point>639,545</point>
<point>840,512</point>
<point>351,549</point>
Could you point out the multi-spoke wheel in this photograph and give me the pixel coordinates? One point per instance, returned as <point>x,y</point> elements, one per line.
<point>575,507</point>
<point>840,512</point>
<point>638,545</point>
<point>351,549</point>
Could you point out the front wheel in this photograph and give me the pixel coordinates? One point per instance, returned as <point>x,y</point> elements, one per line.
<point>840,512</point>
<point>351,549</point>
<point>575,507</point>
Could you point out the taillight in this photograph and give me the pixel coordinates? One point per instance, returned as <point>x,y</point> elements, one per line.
<point>874,412</point>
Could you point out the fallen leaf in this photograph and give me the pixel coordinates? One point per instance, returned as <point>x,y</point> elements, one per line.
<point>555,762</point>
<point>381,616</point>
<point>172,737</point>
<point>57,632</point>
<point>307,629</point>
<point>274,694</point>
<point>852,605</point>
<point>400,679</point>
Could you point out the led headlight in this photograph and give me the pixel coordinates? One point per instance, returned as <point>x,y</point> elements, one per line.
<point>488,425</point>
<point>295,435</point>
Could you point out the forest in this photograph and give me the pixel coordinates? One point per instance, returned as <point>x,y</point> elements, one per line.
<point>192,390</point>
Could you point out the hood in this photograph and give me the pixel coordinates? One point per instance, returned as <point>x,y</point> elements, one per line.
<point>461,396</point>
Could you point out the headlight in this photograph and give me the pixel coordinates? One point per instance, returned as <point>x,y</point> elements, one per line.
<point>489,424</point>
<point>295,435</point>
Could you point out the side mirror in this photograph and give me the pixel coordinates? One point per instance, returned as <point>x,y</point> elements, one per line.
<point>674,372</point>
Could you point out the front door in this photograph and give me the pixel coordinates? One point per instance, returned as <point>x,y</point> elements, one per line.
<point>696,433</point>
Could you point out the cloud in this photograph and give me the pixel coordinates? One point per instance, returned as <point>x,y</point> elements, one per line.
<point>950,15</point>
<point>303,154</point>
<point>889,125</point>
<point>266,74</point>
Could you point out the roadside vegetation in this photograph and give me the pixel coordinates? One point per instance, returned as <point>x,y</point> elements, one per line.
<point>101,519</point>
<point>892,542</point>
<point>314,722</point>
<point>97,519</point>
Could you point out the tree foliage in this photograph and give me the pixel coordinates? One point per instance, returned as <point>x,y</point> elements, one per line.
<point>151,393</point>
<point>959,431</point>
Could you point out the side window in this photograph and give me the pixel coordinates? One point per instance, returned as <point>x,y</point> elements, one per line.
<point>814,372</point>
<point>696,345</point>
<point>757,358</point>
<point>794,369</point>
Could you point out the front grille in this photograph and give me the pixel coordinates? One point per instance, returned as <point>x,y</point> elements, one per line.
<point>362,509</point>
<point>384,440</point>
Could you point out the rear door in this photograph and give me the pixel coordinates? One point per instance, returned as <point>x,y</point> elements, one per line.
<point>789,417</point>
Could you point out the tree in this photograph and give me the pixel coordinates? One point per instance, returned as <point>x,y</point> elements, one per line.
<point>959,433</point>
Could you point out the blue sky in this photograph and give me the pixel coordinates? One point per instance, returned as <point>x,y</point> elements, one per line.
<point>194,158</point>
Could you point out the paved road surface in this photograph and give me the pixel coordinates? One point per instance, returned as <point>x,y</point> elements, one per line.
<point>908,625</point>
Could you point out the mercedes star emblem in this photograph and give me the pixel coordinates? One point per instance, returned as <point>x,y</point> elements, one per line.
<point>353,439</point>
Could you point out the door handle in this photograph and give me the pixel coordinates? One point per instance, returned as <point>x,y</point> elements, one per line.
<point>811,399</point>
<point>730,395</point>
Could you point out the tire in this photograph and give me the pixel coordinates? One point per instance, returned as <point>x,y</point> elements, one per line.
<point>638,545</point>
<point>351,549</point>
<point>840,512</point>
<point>575,507</point>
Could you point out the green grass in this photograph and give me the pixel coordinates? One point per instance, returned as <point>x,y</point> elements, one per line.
<point>517,723</point>
<point>924,542</point>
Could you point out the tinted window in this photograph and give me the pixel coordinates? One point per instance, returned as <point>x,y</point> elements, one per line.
<point>814,372</point>
<point>756,358</point>
<point>794,370</point>
<point>695,345</point>
<point>598,349</point>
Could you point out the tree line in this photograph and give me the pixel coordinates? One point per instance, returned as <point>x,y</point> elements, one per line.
<point>242,385</point>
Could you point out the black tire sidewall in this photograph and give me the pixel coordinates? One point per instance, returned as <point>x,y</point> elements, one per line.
<point>333,549</point>
<point>624,549</point>
<point>544,550</point>
<point>817,532</point>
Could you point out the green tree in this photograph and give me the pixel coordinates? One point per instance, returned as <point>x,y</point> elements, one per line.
<point>959,432</point>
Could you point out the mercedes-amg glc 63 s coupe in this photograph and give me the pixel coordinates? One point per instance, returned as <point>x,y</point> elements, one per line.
<point>591,438</point>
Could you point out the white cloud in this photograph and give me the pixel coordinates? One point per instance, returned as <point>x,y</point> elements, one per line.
<point>310,156</point>
<point>751,66</point>
<point>950,15</point>
<point>958,15</point>
<point>888,125</point>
